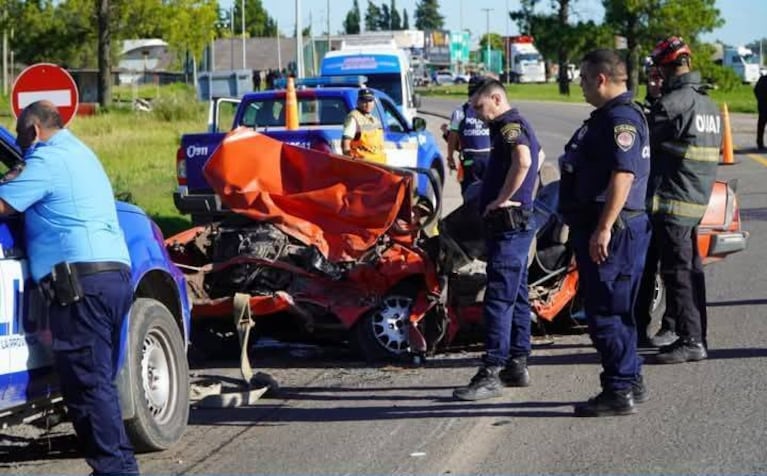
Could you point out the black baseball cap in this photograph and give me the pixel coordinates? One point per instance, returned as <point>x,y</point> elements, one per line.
<point>365,94</point>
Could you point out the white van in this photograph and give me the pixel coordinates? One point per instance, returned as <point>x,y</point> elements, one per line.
<point>386,67</point>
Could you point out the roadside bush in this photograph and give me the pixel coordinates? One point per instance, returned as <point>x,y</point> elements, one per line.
<point>724,79</point>
<point>177,104</point>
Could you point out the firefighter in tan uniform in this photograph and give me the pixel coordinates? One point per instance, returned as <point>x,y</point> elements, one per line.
<point>363,136</point>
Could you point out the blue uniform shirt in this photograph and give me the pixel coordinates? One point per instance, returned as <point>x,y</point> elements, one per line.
<point>506,132</point>
<point>69,206</point>
<point>615,138</point>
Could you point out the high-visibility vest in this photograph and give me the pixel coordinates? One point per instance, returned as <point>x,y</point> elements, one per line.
<point>368,144</point>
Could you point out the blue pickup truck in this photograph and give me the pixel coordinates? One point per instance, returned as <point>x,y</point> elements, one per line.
<point>153,377</point>
<point>322,109</point>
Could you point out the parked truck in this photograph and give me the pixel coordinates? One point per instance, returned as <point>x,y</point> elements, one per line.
<point>322,109</point>
<point>526,64</point>
<point>743,61</point>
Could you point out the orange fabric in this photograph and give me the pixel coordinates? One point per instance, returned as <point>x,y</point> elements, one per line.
<point>340,205</point>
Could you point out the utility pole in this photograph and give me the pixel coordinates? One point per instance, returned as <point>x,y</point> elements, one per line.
<point>487,36</point>
<point>242,15</point>
<point>328,47</point>
<point>279,48</point>
<point>299,43</point>
<point>506,43</point>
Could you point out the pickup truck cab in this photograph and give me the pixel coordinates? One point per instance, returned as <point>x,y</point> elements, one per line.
<point>321,113</point>
<point>153,376</point>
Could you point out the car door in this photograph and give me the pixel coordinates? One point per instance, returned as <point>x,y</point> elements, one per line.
<point>400,145</point>
<point>24,333</point>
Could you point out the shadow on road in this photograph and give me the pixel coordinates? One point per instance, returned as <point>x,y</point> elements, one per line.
<point>14,450</point>
<point>740,302</point>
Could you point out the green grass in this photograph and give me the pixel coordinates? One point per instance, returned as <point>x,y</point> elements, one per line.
<point>741,99</point>
<point>138,151</point>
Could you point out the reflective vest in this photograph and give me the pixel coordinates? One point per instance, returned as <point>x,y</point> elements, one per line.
<point>686,136</point>
<point>368,144</point>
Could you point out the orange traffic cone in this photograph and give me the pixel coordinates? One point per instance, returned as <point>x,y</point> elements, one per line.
<point>291,106</point>
<point>727,153</point>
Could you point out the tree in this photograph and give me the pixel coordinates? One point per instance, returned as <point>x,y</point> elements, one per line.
<point>258,23</point>
<point>396,20</point>
<point>405,20</point>
<point>352,20</point>
<point>182,39</point>
<point>496,41</point>
<point>105,58</point>
<point>427,16</point>
<point>372,17</point>
<point>524,16</point>
<point>644,22</point>
<point>384,21</point>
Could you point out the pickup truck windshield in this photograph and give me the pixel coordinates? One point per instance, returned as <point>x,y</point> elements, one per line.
<point>312,111</point>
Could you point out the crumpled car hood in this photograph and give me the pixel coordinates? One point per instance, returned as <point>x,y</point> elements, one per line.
<point>342,206</point>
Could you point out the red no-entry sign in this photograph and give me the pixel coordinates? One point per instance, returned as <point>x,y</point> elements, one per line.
<point>45,81</point>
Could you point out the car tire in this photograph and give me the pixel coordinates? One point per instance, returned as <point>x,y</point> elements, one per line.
<point>161,377</point>
<point>382,333</point>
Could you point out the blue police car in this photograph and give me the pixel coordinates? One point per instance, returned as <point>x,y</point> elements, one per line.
<point>153,377</point>
<point>322,104</point>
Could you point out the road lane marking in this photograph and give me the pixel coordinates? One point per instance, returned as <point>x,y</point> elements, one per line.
<point>757,158</point>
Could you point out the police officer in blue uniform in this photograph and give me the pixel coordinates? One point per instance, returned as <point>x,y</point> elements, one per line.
<point>506,204</point>
<point>470,136</point>
<point>77,254</point>
<point>602,198</point>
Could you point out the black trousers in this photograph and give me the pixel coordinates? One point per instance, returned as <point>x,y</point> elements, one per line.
<point>760,123</point>
<point>674,251</point>
<point>86,344</point>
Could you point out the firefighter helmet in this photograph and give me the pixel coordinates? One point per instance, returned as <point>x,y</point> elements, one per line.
<point>670,51</point>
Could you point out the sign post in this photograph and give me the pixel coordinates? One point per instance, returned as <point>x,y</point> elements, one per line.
<point>46,81</point>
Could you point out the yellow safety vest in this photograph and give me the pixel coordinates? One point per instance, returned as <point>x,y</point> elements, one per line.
<point>368,144</point>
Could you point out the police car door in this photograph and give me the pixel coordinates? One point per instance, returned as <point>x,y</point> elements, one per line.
<point>25,356</point>
<point>400,147</point>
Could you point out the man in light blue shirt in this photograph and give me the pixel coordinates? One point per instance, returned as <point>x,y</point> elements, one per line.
<point>78,255</point>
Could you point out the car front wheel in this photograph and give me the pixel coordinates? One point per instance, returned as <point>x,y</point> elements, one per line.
<point>161,377</point>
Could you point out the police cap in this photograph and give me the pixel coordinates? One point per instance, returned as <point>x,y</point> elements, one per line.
<point>365,95</point>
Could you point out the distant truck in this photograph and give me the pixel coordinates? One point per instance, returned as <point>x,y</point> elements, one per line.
<point>386,67</point>
<point>743,61</point>
<point>526,64</point>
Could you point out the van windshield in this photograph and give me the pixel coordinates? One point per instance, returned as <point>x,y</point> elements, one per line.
<point>391,84</point>
<point>529,57</point>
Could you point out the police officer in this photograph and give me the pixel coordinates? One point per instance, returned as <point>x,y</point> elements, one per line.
<point>685,130</point>
<point>78,254</point>
<point>363,133</point>
<point>602,198</point>
<point>506,203</point>
<point>469,136</point>
<point>760,92</point>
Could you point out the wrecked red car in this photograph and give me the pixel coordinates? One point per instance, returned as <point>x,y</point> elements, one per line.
<point>330,247</point>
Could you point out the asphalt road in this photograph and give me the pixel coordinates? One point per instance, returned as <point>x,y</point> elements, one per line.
<point>334,415</point>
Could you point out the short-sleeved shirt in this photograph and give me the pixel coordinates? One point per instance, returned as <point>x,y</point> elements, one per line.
<point>615,138</point>
<point>352,128</point>
<point>507,132</point>
<point>68,204</point>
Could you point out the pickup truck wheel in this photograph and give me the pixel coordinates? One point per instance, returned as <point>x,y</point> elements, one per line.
<point>161,377</point>
<point>382,333</point>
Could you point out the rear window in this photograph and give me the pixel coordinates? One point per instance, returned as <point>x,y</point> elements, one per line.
<point>329,111</point>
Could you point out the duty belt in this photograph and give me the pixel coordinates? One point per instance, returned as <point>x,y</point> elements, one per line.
<point>88,268</point>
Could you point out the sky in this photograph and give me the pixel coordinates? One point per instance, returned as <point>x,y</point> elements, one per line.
<point>744,19</point>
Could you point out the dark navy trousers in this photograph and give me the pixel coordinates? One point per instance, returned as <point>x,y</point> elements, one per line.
<point>86,342</point>
<point>610,291</point>
<point>473,169</point>
<point>507,306</point>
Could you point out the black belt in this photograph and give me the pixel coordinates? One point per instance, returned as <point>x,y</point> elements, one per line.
<point>87,268</point>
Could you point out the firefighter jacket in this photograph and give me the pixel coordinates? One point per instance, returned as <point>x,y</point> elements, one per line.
<point>685,137</point>
<point>368,142</point>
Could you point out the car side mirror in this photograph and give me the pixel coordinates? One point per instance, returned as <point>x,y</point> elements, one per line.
<point>416,100</point>
<point>419,123</point>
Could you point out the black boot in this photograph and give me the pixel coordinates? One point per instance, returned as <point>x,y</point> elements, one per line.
<point>638,390</point>
<point>485,384</point>
<point>607,403</point>
<point>683,350</point>
<point>515,374</point>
